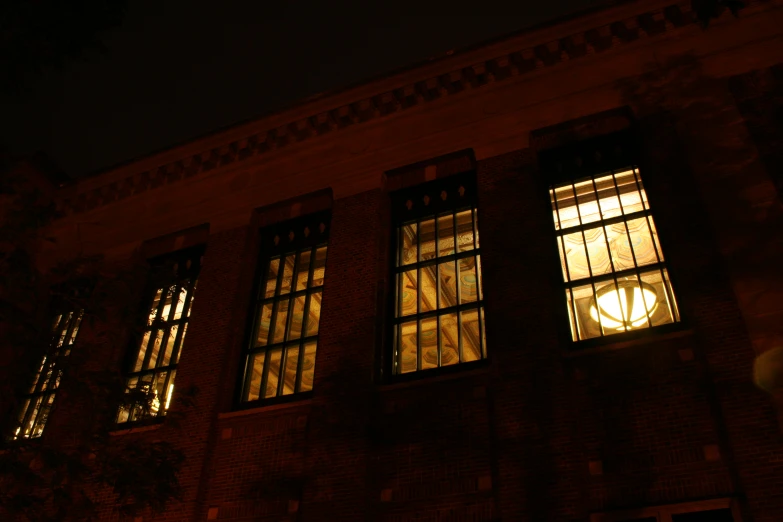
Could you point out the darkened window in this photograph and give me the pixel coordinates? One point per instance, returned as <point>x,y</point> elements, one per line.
<point>37,402</point>
<point>611,259</point>
<point>438,298</point>
<point>280,355</point>
<point>153,365</point>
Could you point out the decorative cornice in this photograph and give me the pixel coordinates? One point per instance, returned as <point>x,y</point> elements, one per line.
<point>524,61</point>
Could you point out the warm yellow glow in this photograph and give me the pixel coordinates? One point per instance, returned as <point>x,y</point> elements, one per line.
<point>168,397</point>
<point>625,306</point>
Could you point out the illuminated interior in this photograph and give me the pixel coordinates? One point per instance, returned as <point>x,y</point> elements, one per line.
<point>37,402</point>
<point>610,256</point>
<point>282,356</point>
<point>439,312</point>
<point>155,364</point>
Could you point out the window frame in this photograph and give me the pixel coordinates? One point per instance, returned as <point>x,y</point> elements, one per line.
<point>160,276</point>
<point>589,159</point>
<point>664,513</point>
<point>402,214</point>
<point>57,355</point>
<point>268,250</point>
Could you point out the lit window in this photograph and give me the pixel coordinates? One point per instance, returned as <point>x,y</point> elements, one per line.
<point>439,301</point>
<point>37,402</point>
<point>154,363</point>
<point>612,263</point>
<point>280,357</point>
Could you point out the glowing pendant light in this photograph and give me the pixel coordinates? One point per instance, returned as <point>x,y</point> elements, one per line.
<point>624,306</point>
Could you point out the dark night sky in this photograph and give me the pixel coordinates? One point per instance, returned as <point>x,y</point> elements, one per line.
<point>183,68</point>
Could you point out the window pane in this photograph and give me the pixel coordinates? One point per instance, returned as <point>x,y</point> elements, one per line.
<point>607,197</point>
<point>428,331</point>
<point>629,192</point>
<point>407,357</point>
<point>644,248</point>
<point>280,322</point>
<point>600,262</point>
<point>319,269</point>
<point>264,324</point>
<point>297,317</point>
<point>465,231</point>
<point>303,270</point>
<point>314,314</point>
<point>468,282</point>
<point>308,366</point>
<point>471,335</point>
<point>588,202</point>
<point>154,307</point>
<point>448,284</point>
<point>429,295</point>
<point>271,278</point>
<point>407,293</point>
<point>180,302</point>
<point>170,345</point>
<point>622,252</point>
<point>142,351</point>
<point>256,371</point>
<point>446,234</point>
<point>427,240</point>
<point>288,274</point>
<point>576,256</point>
<point>155,349</point>
<point>449,339</point>
<point>410,244</point>
<point>273,371</point>
<point>291,362</point>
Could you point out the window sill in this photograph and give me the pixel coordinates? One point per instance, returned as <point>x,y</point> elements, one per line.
<point>424,378</point>
<point>136,429</point>
<point>628,343</point>
<point>265,408</point>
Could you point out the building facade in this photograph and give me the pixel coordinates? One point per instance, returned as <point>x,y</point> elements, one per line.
<point>524,282</point>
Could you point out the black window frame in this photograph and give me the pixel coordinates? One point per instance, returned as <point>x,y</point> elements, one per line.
<point>276,241</point>
<point>179,270</point>
<point>424,201</point>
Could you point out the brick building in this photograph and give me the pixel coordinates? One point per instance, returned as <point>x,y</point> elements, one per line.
<point>363,353</point>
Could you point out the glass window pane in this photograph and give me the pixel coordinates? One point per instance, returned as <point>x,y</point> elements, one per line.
<point>297,317</point>
<point>281,321</point>
<point>428,332</point>
<point>480,276</point>
<point>468,282</point>
<point>264,324</point>
<point>429,296</point>
<point>314,314</point>
<point>288,274</point>
<point>170,345</point>
<point>446,234</point>
<point>142,351</point>
<point>175,355</point>
<point>273,371</point>
<point>427,240</point>
<point>256,371</point>
<point>600,262</point>
<point>449,339</point>
<point>622,252</point>
<point>303,269</point>
<point>154,307</point>
<point>607,197</point>
<point>319,267</point>
<point>168,294</point>
<point>407,292</point>
<point>471,335</point>
<point>580,300</point>
<point>410,245</point>
<point>576,256</point>
<point>641,239</point>
<point>475,227</point>
<point>155,349</point>
<point>308,366</point>
<point>271,278</point>
<point>588,202</point>
<point>180,305</point>
<point>448,284</point>
<point>566,204</point>
<point>629,192</point>
<point>291,362</point>
<point>465,231</point>
<point>407,340</point>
